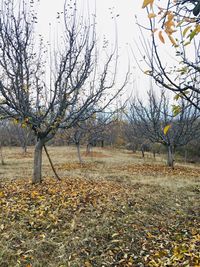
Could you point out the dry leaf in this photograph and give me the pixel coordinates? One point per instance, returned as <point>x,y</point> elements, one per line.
<point>161,37</point>
<point>151,15</point>
<point>147,2</point>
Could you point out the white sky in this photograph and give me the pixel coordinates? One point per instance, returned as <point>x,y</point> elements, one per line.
<point>107,11</point>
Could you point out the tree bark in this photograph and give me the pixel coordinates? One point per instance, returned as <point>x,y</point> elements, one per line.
<point>88,149</point>
<point>37,168</point>
<point>142,150</point>
<point>102,143</point>
<point>1,153</point>
<point>79,153</point>
<point>185,156</point>
<point>24,148</point>
<point>170,157</point>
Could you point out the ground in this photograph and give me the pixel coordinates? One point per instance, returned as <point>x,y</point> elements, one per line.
<point>116,209</point>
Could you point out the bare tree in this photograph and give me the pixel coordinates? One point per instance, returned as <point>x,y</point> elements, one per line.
<point>80,85</point>
<point>98,128</point>
<point>90,132</point>
<point>76,135</point>
<point>150,120</point>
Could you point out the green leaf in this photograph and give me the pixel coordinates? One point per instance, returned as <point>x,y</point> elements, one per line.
<point>177,96</point>
<point>192,34</point>
<point>176,109</point>
<point>185,30</point>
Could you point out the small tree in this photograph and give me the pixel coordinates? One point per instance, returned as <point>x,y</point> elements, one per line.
<point>90,131</point>
<point>150,121</point>
<point>80,85</point>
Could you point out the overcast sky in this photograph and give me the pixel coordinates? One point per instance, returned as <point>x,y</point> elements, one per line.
<point>107,11</point>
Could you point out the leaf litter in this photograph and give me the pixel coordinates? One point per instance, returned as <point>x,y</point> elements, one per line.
<point>99,222</point>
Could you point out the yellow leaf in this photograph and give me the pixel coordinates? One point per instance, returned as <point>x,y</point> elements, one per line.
<point>166,129</point>
<point>1,194</point>
<point>34,194</point>
<point>23,125</point>
<point>147,2</point>
<point>170,16</point>
<point>172,40</point>
<point>197,29</point>
<point>151,15</point>
<point>149,235</point>
<point>185,30</point>
<point>88,264</point>
<point>15,121</point>
<point>42,236</point>
<point>161,37</point>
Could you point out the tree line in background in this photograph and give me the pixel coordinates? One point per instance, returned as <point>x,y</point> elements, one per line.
<point>137,127</point>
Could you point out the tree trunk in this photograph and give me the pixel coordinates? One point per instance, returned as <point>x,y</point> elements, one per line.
<point>142,150</point>
<point>88,149</point>
<point>1,153</point>
<point>185,156</point>
<point>24,148</point>
<point>170,157</point>
<point>102,143</point>
<point>79,153</point>
<point>37,168</point>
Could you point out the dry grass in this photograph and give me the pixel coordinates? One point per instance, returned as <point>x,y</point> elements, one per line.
<point>116,209</point>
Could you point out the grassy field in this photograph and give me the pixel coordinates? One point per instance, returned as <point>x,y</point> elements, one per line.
<point>116,209</point>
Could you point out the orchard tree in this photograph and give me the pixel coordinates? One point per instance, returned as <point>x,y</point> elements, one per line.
<point>81,83</point>
<point>90,131</point>
<point>175,24</point>
<point>155,122</point>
